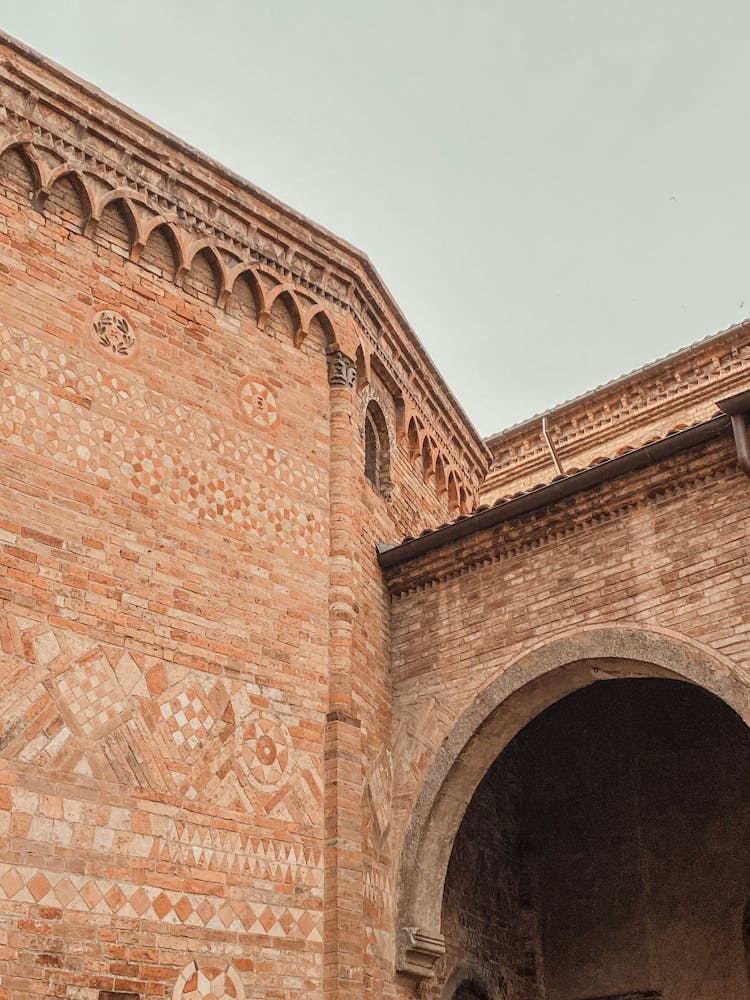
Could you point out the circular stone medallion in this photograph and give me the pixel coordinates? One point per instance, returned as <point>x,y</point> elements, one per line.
<point>265,752</point>
<point>257,401</point>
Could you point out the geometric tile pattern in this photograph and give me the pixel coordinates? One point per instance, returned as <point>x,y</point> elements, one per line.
<point>378,789</point>
<point>84,893</point>
<point>91,695</point>
<point>71,706</point>
<point>265,753</point>
<point>215,849</point>
<point>172,455</point>
<point>189,717</point>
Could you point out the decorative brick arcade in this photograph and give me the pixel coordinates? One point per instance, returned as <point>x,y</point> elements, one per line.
<point>278,628</point>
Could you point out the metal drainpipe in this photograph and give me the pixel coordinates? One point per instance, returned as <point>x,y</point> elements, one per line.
<point>738,408</point>
<point>548,441</point>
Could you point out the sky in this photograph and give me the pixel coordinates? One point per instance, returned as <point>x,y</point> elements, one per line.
<point>555,193</point>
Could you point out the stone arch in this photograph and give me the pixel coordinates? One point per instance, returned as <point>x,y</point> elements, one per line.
<point>529,685</point>
<point>244,276</point>
<point>441,482</point>
<point>429,453</point>
<point>454,506</point>
<point>413,439</point>
<point>282,301</point>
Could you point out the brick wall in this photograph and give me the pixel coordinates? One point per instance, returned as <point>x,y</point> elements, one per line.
<point>661,550</point>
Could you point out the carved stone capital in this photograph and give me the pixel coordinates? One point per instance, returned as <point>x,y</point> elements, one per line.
<point>419,952</point>
<point>342,371</point>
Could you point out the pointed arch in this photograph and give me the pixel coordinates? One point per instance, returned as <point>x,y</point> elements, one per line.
<point>204,253</point>
<point>171,232</point>
<point>399,407</point>
<point>126,200</point>
<point>158,248</point>
<point>117,219</point>
<point>285,294</point>
<point>25,152</point>
<point>414,439</point>
<point>328,333</point>
<point>76,179</point>
<point>319,312</point>
<point>247,273</point>
<point>454,502</point>
<point>441,483</point>
<point>363,368</point>
<point>428,453</point>
<point>377,448</point>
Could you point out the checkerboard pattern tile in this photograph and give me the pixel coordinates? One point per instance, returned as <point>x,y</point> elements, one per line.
<point>91,695</point>
<point>189,718</point>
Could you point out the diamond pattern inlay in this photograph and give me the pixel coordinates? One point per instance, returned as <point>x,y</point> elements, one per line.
<point>99,895</point>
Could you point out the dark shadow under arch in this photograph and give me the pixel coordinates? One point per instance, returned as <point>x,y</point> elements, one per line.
<point>498,713</point>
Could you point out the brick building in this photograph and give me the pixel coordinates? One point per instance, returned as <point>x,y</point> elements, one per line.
<point>299,677</point>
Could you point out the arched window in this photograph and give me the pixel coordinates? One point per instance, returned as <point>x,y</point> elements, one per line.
<point>377,448</point>
<point>469,990</point>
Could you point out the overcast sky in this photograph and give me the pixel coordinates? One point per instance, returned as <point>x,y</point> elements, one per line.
<point>554,192</point>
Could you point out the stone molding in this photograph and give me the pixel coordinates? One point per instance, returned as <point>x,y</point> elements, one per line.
<point>418,953</point>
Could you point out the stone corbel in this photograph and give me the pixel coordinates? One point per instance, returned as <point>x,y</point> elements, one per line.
<point>419,952</point>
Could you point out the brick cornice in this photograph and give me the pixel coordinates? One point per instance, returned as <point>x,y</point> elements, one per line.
<point>679,388</point>
<point>70,125</point>
<point>564,518</point>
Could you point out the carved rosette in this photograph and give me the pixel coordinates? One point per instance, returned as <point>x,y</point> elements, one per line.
<point>342,371</point>
<point>113,334</point>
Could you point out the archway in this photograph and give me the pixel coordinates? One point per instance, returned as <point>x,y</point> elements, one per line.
<point>521,693</point>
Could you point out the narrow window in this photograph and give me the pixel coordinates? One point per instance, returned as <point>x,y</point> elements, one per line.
<point>371,451</point>
<point>377,449</point>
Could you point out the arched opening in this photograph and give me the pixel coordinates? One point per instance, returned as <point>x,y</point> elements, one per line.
<point>606,852</point>
<point>377,448</point>
<point>576,839</point>
<point>428,460</point>
<point>469,990</point>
